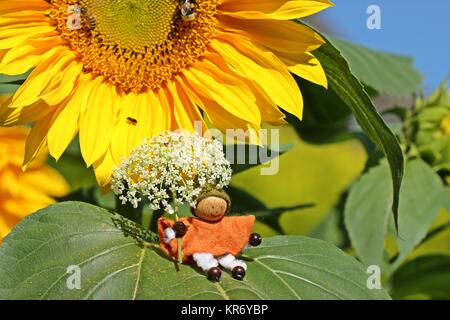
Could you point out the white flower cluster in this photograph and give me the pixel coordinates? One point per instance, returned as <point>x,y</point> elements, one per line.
<point>171,169</point>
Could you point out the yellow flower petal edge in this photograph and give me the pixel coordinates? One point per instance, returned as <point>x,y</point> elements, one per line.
<point>23,192</point>
<point>115,72</point>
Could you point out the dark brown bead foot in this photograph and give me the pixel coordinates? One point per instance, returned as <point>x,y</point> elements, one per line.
<point>238,273</point>
<point>180,229</point>
<point>255,239</point>
<point>214,274</point>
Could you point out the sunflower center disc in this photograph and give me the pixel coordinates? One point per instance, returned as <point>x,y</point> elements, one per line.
<point>132,24</point>
<point>135,45</point>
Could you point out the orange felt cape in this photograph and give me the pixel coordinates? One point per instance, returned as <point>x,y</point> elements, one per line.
<point>229,235</point>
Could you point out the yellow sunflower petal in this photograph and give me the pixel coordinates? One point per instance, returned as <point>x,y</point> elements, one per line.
<point>62,84</point>
<point>270,112</point>
<point>141,116</point>
<point>21,116</point>
<point>283,36</point>
<point>67,118</point>
<point>265,68</point>
<point>31,194</point>
<point>20,59</point>
<point>103,168</point>
<point>132,125</point>
<point>46,180</point>
<point>221,118</point>
<point>20,208</point>
<point>24,192</point>
<point>306,66</point>
<point>19,5</point>
<point>209,81</point>
<point>43,79</point>
<point>13,36</point>
<point>97,123</point>
<point>61,133</point>
<point>36,145</point>
<point>165,113</point>
<point>275,9</point>
<point>22,17</point>
<point>6,222</point>
<point>187,115</point>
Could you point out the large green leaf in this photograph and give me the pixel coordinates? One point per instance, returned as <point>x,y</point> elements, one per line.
<point>421,200</point>
<point>352,93</point>
<point>118,261</point>
<point>386,73</point>
<point>366,214</point>
<point>426,277</point>
<point>326,116</point>
<point>367,210</point>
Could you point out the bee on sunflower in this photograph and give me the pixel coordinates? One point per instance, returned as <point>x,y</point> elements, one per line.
<point>166,64</point>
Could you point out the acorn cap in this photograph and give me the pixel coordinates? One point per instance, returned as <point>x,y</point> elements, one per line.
<point>216,193</point>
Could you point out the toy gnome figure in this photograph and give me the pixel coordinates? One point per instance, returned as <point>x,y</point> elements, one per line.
<point>173,169</point>
<point>210,239</point>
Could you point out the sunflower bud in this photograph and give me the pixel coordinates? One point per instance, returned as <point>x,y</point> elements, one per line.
<point>431,133</point>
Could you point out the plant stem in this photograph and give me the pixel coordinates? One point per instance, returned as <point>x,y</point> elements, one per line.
<point>179,243</point>
<point>179,240</point>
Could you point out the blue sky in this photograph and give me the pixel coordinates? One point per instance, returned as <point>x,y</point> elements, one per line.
<point>418,28</point>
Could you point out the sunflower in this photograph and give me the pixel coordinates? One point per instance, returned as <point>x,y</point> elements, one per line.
<point>115,72</point>
<point>22,193</point>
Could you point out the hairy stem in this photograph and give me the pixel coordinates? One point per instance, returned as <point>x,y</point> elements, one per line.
<point>180,249</point>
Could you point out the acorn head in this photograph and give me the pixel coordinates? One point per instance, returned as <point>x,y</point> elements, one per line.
<point>212,206</point>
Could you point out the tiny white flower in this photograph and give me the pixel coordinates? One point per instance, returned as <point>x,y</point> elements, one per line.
<point>171,169</point>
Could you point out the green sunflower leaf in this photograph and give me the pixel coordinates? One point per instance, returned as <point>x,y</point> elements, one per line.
<point>8,88</point>
<point>351,92</point>
<point>115,259</point>
<point>366,214</point>
<point>419,205</point>
<point>385,72</point>
<point>10,84</point>
<point>13,79</point>
<point>426,277</point>
<point>367,210</point>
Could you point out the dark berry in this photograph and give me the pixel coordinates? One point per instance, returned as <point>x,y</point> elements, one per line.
<point>214,274</point>
<point>180,229</point>
<point>238,273</point>
<point>255,239</point>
